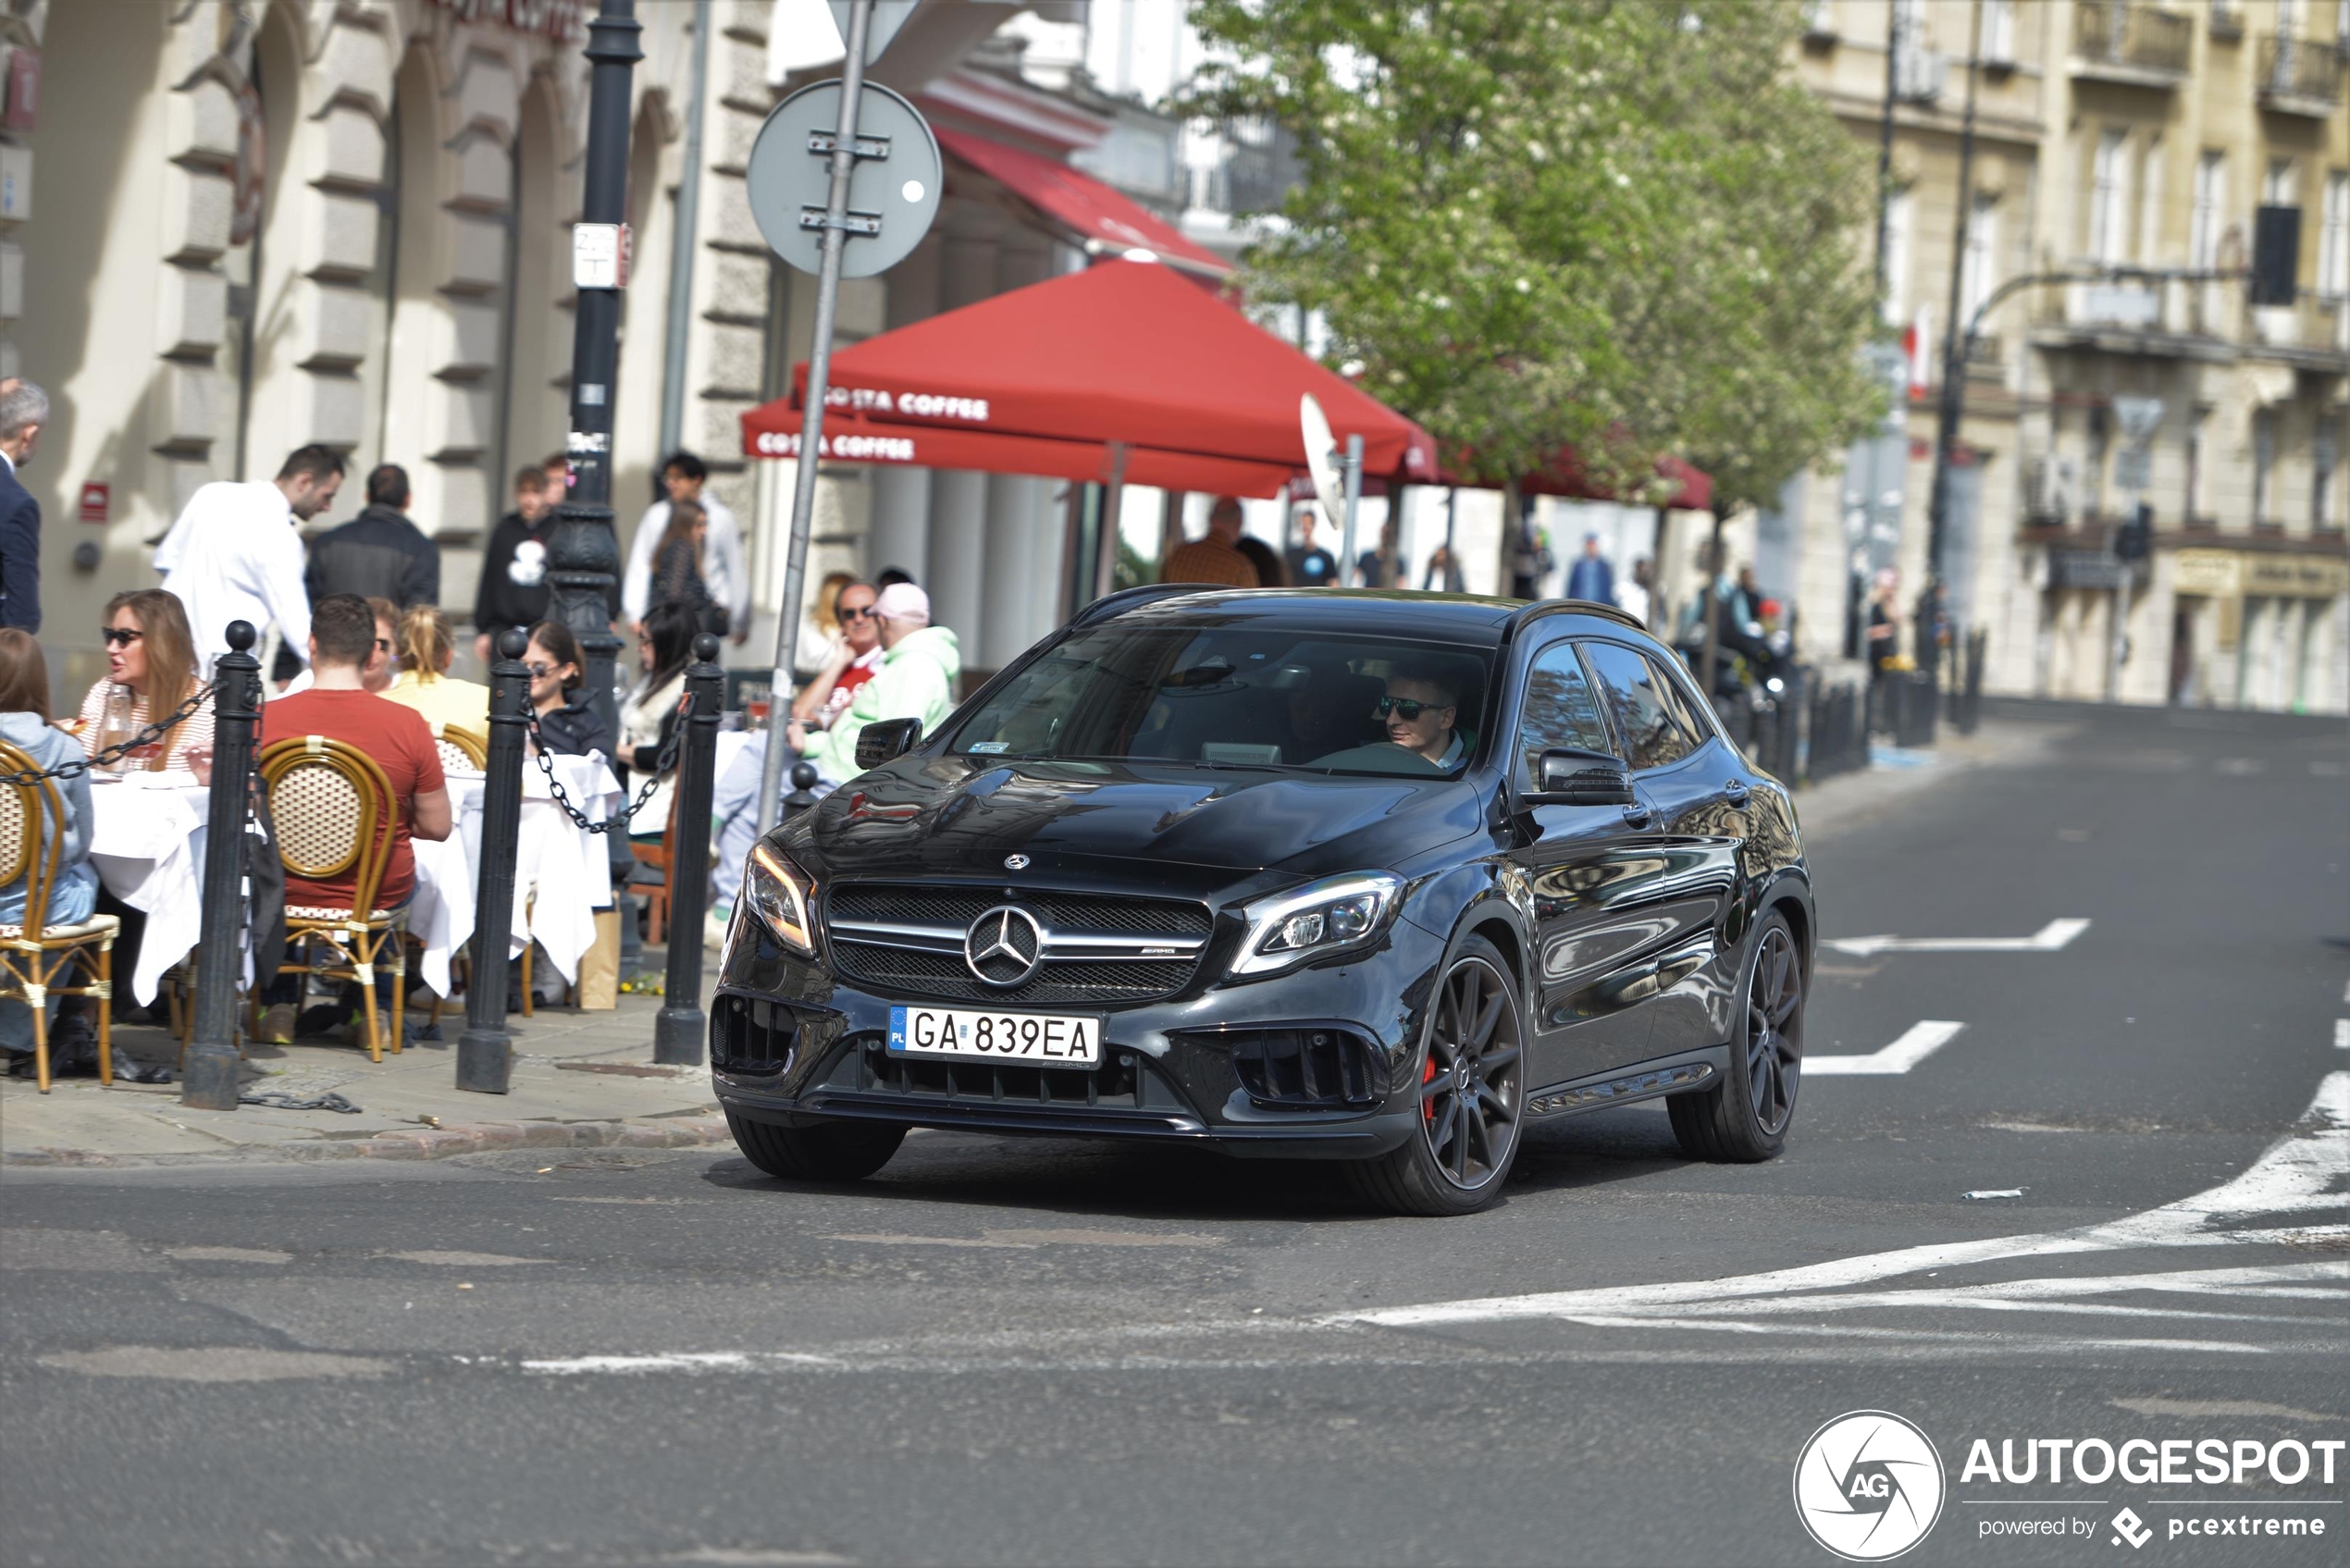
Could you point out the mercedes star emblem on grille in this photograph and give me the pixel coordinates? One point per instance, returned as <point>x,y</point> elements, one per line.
<point>1015,862</point>
<point>1004,945</point>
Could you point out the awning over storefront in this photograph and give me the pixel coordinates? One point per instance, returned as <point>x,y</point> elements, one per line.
<point>1124,352</point>
<point>1099,217</point>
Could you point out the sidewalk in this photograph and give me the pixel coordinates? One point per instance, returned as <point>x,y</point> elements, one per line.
<point>580,1080</point>
<point>1894,776</point>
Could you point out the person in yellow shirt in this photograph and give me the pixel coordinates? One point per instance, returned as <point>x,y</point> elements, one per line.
<point>427,647</point>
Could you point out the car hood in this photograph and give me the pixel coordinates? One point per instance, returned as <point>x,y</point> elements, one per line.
<point>960,816</point>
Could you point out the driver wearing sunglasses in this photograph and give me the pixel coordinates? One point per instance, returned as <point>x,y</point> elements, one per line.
<point>1419,712</point>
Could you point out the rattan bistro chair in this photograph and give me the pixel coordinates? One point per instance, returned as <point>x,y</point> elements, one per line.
<point>466,751</point>
<point>336,814</point>
<point>38,959</point>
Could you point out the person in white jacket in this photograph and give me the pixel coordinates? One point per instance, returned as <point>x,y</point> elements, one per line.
<point>236,555</point>
<point>724,569</point>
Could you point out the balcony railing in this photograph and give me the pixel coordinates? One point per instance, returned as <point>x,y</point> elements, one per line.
<point>2131,42</point>
<point>2299,76</point>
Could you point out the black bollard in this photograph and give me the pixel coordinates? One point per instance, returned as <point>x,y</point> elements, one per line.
<point>211,1079</point>
<point>803,789</point>
<point>485,1052</point>
<point>679,1028</point>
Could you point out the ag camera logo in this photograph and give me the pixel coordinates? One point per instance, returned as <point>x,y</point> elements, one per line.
<point>1869,1485</point>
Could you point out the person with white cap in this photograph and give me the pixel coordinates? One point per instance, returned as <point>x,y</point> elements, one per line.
<point>916,680</point>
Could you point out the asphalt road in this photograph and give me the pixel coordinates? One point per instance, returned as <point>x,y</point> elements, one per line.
<point>1062,1353</point>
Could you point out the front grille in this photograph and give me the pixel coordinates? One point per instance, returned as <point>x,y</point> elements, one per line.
<point>958,906</point>
<point>1099,949</point>
<point>751,1035</point>
<point>1304,1069</point>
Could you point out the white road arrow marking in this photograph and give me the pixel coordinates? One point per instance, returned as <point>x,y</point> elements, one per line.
<point>1917,1043</point>
<point>2049,938</point>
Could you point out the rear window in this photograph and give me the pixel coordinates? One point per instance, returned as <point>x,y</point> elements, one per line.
<point>1242,697</point>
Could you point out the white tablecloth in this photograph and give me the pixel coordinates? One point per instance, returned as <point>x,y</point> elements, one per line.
<point>147,839</point>
<point>148,846</point>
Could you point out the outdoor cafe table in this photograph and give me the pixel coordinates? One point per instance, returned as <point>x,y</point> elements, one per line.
<point>148,843</point>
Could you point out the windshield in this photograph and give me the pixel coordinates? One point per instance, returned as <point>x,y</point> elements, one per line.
<point>1242,697</point>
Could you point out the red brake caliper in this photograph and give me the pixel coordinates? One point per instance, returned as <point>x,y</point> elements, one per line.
<point>1428,1106</point>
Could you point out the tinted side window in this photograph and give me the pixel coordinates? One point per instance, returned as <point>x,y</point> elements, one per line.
<point>1685,707</point>
<point>1560,709</point>
<point>1655,733</point>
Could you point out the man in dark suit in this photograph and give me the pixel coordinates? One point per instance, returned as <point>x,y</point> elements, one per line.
<point>24,409</point>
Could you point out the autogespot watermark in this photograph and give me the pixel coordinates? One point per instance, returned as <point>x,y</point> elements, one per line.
<point>1869,1485</point>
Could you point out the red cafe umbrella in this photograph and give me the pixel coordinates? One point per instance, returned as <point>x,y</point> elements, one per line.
<point>1126,355</point>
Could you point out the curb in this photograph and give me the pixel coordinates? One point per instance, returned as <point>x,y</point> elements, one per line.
<point>428,1143</point>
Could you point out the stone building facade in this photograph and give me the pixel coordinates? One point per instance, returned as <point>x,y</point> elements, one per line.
<point>2112,134</point>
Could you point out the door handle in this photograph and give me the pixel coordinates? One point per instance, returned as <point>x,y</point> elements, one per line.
<point>1736,791</point>
<point>1638,814</point>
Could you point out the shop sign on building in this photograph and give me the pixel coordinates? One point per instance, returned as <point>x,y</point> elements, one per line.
<point>2207,573</point>
<point>2294,577</point>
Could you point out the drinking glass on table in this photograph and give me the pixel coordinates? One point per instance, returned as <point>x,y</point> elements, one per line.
<point>115,726</point>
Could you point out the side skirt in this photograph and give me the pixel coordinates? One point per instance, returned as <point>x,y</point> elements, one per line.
<point>1623,1086</point>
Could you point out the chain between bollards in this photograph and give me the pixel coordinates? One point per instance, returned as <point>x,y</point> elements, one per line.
<point>210,1078</point>
<point>485,1052</point>
<point>679,1028</point>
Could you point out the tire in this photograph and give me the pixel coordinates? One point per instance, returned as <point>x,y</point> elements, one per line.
<point>836,1151</point>
<point>1745,1117</point>
<point>1458,1157</point>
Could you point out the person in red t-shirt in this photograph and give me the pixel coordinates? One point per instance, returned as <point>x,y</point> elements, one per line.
<point>346,648</point>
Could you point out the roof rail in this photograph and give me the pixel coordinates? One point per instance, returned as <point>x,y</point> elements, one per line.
<point>1548,607</point>
<point>1124,599</point>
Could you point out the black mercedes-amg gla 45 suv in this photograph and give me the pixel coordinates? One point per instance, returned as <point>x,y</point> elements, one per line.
<point>1374,877</point>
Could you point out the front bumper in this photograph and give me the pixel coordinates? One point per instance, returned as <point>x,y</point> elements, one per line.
<point>1316,1063</point>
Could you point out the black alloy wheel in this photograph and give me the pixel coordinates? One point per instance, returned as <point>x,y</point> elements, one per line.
<point>1471,1094</point>
<point>1746,1116</point>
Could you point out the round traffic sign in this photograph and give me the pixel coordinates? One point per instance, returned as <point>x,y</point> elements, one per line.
<point>893,197</point>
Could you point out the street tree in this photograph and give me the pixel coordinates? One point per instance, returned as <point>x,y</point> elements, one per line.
<point>1617,225</point>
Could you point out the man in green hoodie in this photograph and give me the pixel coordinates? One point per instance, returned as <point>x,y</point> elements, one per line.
<point>916,680</point>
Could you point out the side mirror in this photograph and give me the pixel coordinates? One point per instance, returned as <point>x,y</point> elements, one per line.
<point>884,739</point>
<point>1570,777</point>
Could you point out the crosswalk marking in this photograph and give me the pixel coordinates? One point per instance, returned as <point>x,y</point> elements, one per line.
<point>1917,1043</point>
<point>2294,1177</point>
<point>2053,937</point>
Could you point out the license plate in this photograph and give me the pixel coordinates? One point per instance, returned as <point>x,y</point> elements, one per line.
<point>1031,1039</point>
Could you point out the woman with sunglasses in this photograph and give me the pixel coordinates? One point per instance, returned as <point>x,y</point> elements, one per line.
<point>567,725</point>
<point>848,662</point>
<point>151,669</point>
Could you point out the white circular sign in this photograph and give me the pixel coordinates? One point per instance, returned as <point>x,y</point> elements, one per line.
<point>789,183</point>
<point>1869,1485</point>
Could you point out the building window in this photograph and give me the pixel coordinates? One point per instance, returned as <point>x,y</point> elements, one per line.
<point>2334,237</point>
<point>1901,209</point>
<point>2280,189</point>
<point>2264,463</point>
<point>1980,272</point>
<point>2150,204</point>
<point>1999,32</point>
<point>2210,209</point>
<point>2105,192</point>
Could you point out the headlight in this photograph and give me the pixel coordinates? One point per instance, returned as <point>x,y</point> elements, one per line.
<point>778,893</point>
<point>1322,917</point>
